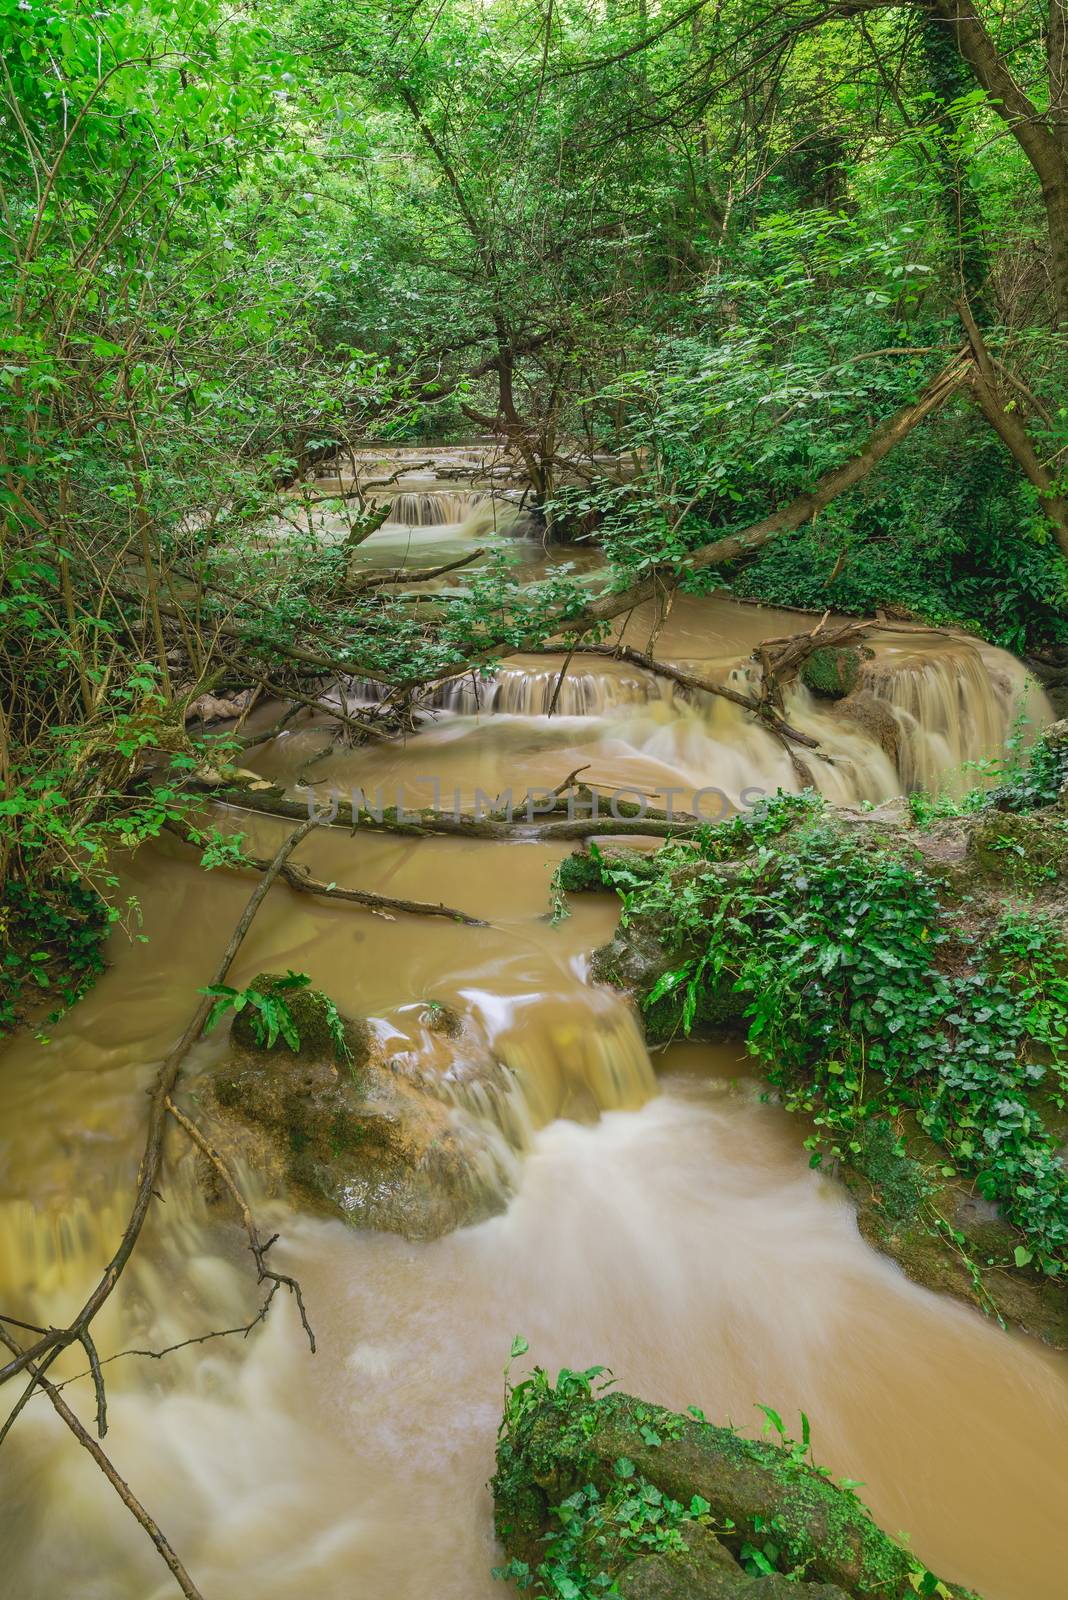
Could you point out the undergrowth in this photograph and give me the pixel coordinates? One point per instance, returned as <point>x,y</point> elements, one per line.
<point>52,936</point>
<point>869,991</point>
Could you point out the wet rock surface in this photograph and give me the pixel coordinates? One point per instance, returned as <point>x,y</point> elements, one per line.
<point>354,1136</point>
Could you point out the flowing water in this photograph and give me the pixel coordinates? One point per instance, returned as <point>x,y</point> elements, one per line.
<point>664,1222</point>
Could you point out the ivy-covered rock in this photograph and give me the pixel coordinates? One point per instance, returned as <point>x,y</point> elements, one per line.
<point>52,935</point>
<point>642,957</point>
<point>1027,849</point>
<point>591,1492</point>
<point>943,1234</point>
<point>601,868</point>
<point>1044,780</point>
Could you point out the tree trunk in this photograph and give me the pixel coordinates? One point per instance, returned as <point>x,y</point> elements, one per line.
<point>1041,138</point>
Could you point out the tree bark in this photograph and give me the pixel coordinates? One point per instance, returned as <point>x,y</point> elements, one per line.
<point>1005,418</point>
<point>1042,140</point>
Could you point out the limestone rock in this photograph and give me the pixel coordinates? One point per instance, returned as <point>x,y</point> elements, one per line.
<point>875,717</point>
<point>359,1138</point>
<point>718,1489</point>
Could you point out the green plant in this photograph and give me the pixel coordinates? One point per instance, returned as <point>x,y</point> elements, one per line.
<point>602,1453</point>
<point>52,935</point>
<point>633,1516</point>
<point>271,1017</point>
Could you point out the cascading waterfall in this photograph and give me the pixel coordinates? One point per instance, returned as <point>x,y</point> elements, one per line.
<point>529,692</point>
<point>956,707</point>
<point>433,508</point>
<point>672,1229</point>
<point>928,714</point>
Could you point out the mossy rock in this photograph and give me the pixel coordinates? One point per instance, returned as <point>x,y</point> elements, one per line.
<point>641,953</point>
<point>355,1138</point>
<point>900,1183</point>
<point>635,960</point>
<point>560,1441</point>
<point>312,1012</point>
<point>833,671</point>
<point>719,1008</point>
<point>441,1018</point>
<point>1028,849</point>
<point>582,872</point>
<point>704,1569</point>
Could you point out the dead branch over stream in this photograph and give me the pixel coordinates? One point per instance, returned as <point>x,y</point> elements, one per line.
<point>299,877</point>
<point>552,818</point>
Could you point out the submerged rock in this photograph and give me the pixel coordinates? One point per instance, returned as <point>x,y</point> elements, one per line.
<point>875,717</point>
<point>355,1136</point>
<point>670,1507</point>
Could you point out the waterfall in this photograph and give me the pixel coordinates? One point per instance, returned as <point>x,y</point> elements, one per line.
<point>433,508</point>
<point>956,703</point>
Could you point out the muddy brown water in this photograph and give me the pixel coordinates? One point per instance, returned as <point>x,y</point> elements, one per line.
<point>664,1220</point>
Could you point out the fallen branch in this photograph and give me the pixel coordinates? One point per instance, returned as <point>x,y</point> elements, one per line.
<point>557,821</point>
<point>299,877</point>
<point>688,680</point>
<point>413,574</point>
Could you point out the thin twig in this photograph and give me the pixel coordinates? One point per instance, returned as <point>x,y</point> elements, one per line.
<point>259,1248</point>
<point>167,1077</point>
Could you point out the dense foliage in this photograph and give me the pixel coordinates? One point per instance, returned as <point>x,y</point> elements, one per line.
<point>724,243</point>
<point>871,988</point>
<point>591,1485</point>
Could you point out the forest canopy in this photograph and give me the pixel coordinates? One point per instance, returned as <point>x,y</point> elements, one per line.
<point>803,267</point>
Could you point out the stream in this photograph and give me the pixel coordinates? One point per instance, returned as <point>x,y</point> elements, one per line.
<point>663,1221</point>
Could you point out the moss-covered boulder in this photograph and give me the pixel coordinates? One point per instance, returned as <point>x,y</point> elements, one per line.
<point>943,1235</point>
<point>587,870</point>
<point>353,1135</point>
<point>1028,849</point>
<point>833,671</point>
<point>611,1490</point>
<point>320,1029</point>
<point>701,1568</point>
